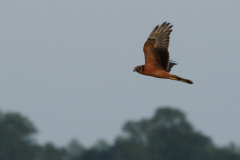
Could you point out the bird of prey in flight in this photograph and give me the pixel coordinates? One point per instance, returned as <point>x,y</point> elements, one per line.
<point>156,53</point>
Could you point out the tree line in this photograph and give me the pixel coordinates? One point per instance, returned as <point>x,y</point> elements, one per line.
<point>166,136</point>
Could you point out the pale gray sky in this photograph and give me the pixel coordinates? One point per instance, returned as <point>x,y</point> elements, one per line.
<point>67,65</point>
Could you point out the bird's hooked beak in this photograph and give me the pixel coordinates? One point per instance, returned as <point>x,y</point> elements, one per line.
<point>134,70</point>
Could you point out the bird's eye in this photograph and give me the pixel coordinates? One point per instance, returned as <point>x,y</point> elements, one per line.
<point>138,69</point>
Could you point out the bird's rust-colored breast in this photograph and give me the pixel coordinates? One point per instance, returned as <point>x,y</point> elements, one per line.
<point>154,72</point>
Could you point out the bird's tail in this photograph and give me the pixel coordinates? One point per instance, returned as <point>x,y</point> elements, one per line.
<point>174,77</point>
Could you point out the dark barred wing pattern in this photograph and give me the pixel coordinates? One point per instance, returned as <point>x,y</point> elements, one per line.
<point>160,38</point>
<point>160,35</point>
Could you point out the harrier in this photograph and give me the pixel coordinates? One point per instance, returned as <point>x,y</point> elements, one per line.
<point>156,53</point>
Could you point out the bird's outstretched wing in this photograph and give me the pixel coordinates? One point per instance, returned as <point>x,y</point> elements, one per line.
<point>156,47</point>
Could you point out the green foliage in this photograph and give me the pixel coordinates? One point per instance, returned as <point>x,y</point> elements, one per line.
<point>166,136</point>
<point>101,145</point>
<point>74,149</point>
<point>16,137</point>
<point>99,151</point>
<point>94,154</point>
<point>128,149</point>
<point>16,141</point>
<point>50,152</point>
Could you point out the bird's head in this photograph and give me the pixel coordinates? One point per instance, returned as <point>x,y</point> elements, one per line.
<point>138,69</point>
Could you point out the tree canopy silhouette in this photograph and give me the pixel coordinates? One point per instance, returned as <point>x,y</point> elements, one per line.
<point>166,136</point>
<point>16,137</point>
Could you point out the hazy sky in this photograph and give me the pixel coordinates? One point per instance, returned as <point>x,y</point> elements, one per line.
<point>68,65</point>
